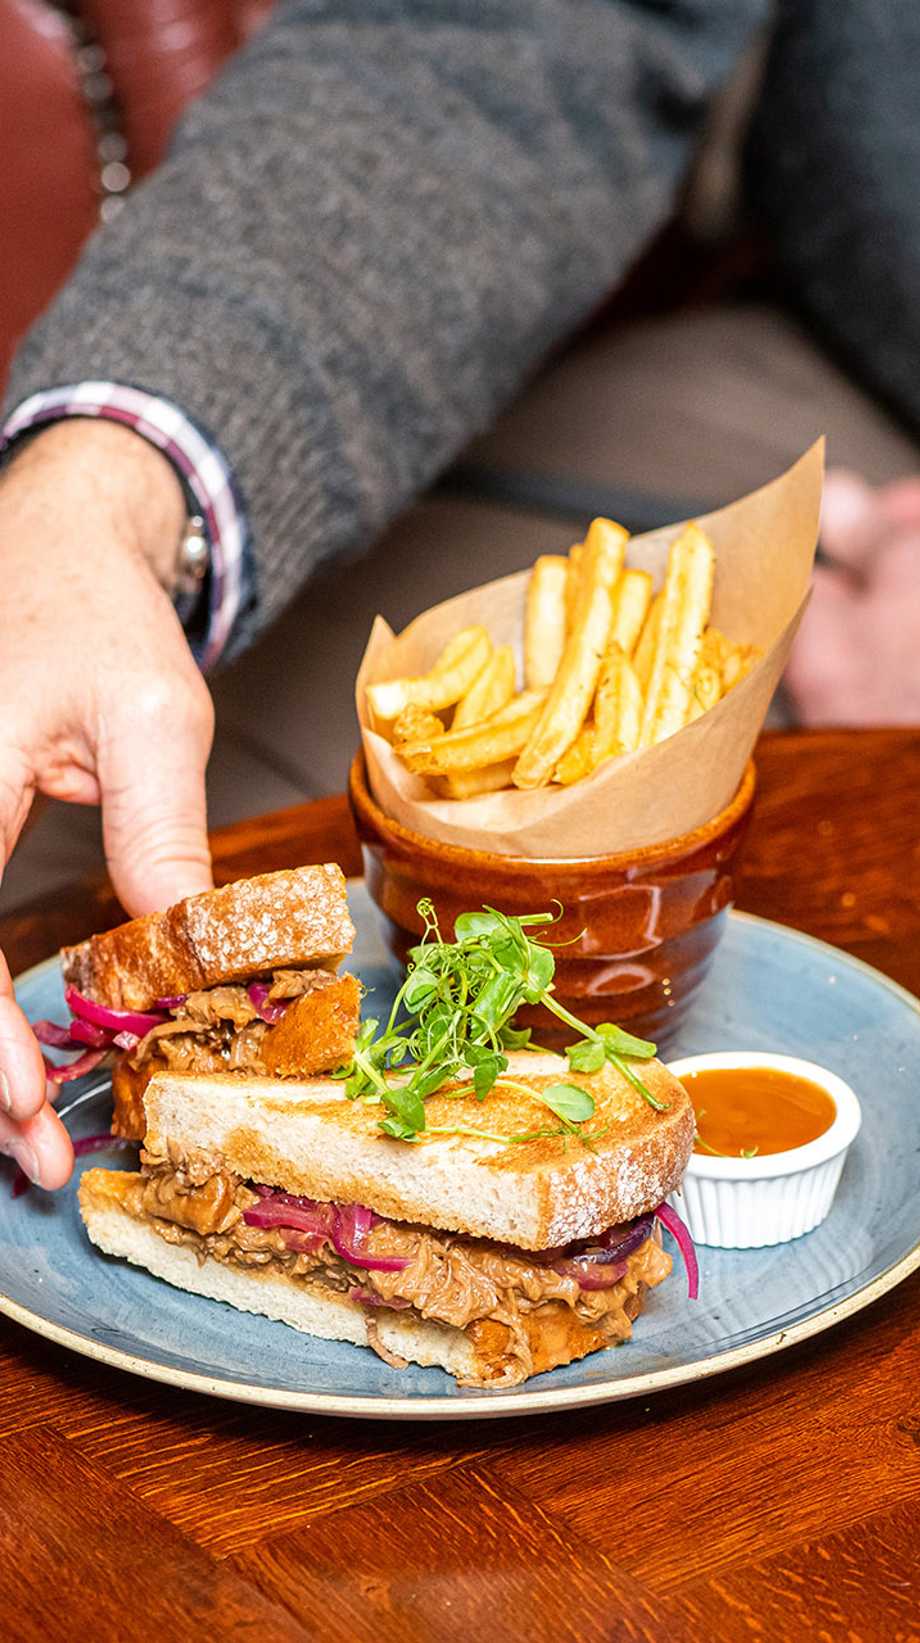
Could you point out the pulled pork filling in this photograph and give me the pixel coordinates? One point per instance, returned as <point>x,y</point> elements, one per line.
<point>527,1314</point>
<point>223,1022</point>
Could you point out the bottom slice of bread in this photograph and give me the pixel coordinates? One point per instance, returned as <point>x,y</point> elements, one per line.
<point>313,1309</point>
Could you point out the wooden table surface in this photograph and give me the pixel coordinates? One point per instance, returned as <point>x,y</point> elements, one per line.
<point>779,1502</point>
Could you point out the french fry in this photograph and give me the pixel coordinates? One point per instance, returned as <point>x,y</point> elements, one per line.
<point>686,600</point>
<point>572,586</point>
<point>571,692</point>
<point>617,707</point>
<point>578,761</point>
<point>544,621</point>
<point>706,691</point>
<point>631,600</point>
<point>491,689</point>
<point>644,654</point>
<point>714,649</point>
<point>467,784</point>
<point>451,677</point>
<point>415,724</point>
<point>616,724</point>
<point>738,662</point>
<point>476,746</point>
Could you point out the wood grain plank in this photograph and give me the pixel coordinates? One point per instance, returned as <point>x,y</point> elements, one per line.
<point>828,849</point>
<point>858,1585</point>
<point>227,1475</point>
<point>79,1556</point>
<point>453,1557</point>
<point>761,1459</point>
<point>230,1477</point>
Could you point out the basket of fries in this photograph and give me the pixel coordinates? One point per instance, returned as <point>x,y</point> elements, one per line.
<point>599,707</point>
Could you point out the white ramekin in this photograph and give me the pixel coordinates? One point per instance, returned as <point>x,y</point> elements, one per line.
<point>747,1203</point>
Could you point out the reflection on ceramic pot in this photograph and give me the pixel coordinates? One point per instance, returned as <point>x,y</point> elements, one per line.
<point>637,930</point>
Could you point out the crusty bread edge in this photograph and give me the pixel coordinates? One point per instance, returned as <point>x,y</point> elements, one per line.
<point>202,941</point>
<point>264,1130</point>
<point>296,1303</point>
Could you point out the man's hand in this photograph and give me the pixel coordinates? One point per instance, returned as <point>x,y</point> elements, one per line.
<point>100,701</point>
<point>856,660</point>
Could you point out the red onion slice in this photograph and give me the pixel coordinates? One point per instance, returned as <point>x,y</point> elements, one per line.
<point>118,1021</point>
<point>75,1069</point>
<point>681,1235</point>
<point>591,1277</point>
<point>95,1038</point>
<point>350,1225</point>
<point>126,1041</point>
<point>345,1226</point>
<point>57,1038</point>
<point>174,1001</point>
<point>269,1213</point>
<point>619,1242</point>
<point>102,1143</point>
<point>258,998</point>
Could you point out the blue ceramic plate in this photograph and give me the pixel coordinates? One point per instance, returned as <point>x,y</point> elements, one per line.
<point>770,988</point>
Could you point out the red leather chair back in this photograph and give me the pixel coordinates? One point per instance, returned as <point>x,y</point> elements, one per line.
<point>159,54</point>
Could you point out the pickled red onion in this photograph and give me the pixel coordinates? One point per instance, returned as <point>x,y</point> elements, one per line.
<point>258,998</point>
<point>75,1069</point>
<point>681,1235</point>
<point>345,1226</point>
<point>101,1143</point>
<point>131,1021</point>
<point>591,1277</point>
<point>48,1032</point>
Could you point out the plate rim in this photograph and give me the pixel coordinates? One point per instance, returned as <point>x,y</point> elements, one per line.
<point>484,1404</point>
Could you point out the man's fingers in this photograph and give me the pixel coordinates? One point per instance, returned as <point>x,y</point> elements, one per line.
<point>22,1070</point>
<point>858,524</point>
<point>851,520</point>
<point>29,1131</point>
<point>41,1147</point>
<point>151,776</point>
<point>16,795</point>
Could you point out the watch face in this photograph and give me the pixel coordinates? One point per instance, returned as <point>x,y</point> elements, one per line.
<point>193,559</point>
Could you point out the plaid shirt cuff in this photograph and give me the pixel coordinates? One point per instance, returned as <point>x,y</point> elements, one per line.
<point>201,466</point>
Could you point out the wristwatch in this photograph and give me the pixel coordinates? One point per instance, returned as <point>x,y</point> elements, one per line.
<point>193,561</point>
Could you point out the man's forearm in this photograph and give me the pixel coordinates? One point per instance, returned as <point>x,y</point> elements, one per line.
<point>373,227</point>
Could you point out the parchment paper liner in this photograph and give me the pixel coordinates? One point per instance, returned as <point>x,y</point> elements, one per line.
<point>765,545</point>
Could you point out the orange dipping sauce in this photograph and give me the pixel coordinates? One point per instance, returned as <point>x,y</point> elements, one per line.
<point>756,1110</point>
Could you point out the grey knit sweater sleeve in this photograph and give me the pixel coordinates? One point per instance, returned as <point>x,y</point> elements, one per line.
<point>371,229</point>
<point>834,170</point>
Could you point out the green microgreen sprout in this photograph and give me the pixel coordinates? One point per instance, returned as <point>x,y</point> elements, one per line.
<point>451,1019</point>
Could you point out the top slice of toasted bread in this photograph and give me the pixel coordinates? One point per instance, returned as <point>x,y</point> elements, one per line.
<point>306,1137</point>
<point>286,920</point>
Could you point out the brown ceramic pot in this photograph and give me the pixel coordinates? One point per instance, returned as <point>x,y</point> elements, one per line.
<point>643,925</point>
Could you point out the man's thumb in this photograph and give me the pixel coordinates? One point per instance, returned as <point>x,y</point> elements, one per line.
<point>154,813</point>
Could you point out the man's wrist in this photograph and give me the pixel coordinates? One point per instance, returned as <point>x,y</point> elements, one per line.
<point>105,467</point>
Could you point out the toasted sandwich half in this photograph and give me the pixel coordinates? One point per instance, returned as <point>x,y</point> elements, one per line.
<point>241,979</point>
<point>495,1258</point>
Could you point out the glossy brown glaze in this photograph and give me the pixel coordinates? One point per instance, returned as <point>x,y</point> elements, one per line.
<point>636,934</point>
<point>778,1503</point>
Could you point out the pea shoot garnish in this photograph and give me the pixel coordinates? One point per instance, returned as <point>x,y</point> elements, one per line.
<point>451,1020</point>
